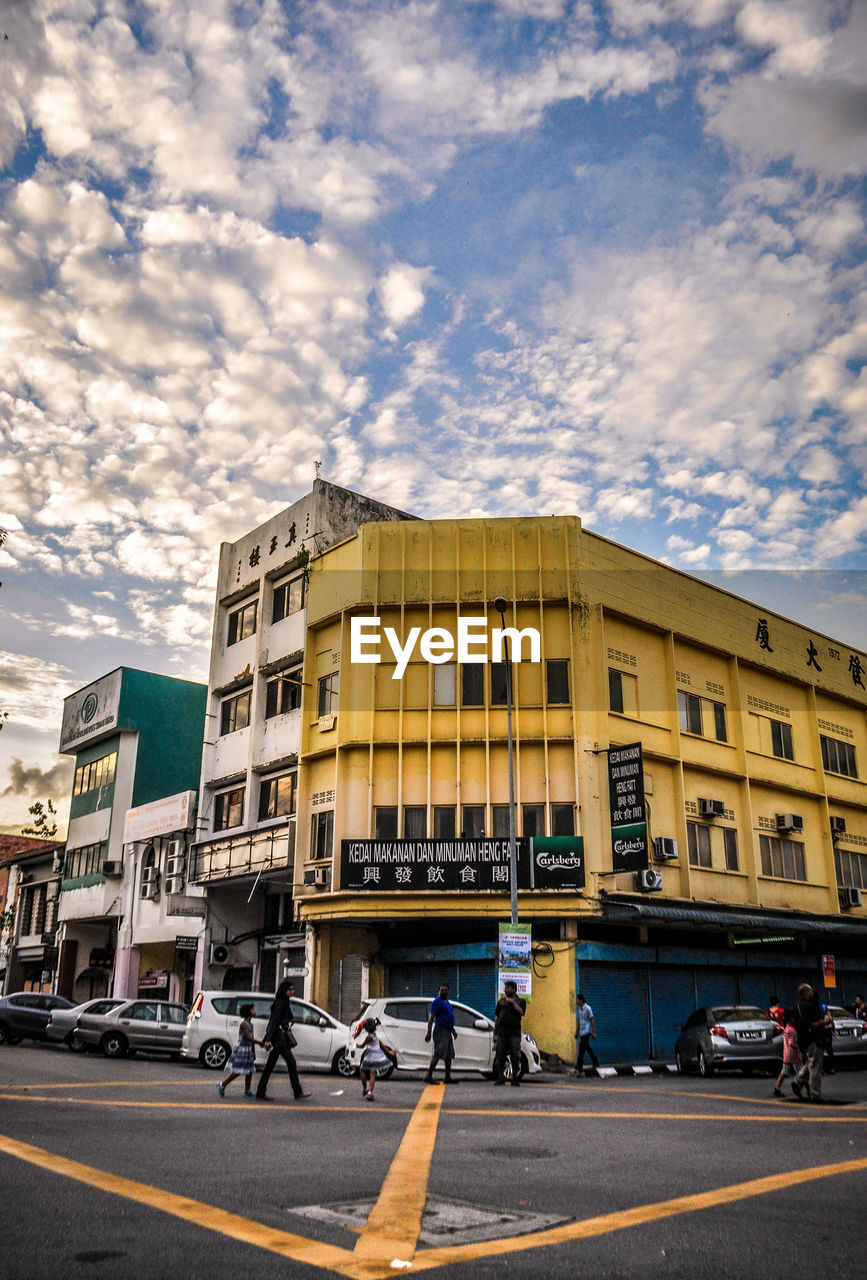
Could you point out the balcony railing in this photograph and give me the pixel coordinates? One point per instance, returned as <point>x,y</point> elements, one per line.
<point>243,855</point>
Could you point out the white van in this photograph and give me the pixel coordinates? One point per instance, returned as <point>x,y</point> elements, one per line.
<point>212,1031</point>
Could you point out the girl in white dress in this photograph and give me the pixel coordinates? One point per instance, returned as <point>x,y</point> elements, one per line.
<point>373,1057</point>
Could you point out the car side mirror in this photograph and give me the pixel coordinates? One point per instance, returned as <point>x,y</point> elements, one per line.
<point>482,1024</point>
<point>323,1022</point>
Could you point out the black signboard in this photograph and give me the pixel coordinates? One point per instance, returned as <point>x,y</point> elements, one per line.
<point>183,943</point>
<point>468,866</point>
<point>628,813</point>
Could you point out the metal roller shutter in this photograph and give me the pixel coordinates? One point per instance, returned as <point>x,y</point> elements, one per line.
<point>672,1000</point>
<point>618,996</point>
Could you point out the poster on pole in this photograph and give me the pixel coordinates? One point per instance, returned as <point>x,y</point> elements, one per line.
<point>829,969</point>
<point>629,845</point>
<point>515,958</point>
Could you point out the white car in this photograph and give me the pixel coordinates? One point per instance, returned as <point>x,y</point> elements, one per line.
<point>403,1025</point>
<point>212,1031</point>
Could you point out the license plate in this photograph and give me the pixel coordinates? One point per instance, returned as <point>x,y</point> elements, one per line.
<point>844,1031</point>
<point>750,1035</point>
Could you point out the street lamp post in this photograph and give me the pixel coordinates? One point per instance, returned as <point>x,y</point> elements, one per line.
<point>500,606</point>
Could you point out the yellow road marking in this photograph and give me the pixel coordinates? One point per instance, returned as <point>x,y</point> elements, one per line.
<point>631,1217</point>
<point>394,1223</point>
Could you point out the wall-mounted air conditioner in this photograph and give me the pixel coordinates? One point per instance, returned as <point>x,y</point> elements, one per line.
<point>711,808</point>
<point>112,868</point>
<point>838,826</point>
<point>316,876</point>
<point>850,897</point>
<point>789,822</point>
<point>648,880</point>
<point>174,884</point>
<point>664,848</point>
<point>176,866</point>
<point>222,953</point>
<point>149,889</point>
<point>175,849</point>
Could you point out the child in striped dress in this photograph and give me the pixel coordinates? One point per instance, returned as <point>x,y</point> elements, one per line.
<point>372,1057</point>
<point>243,1059</point>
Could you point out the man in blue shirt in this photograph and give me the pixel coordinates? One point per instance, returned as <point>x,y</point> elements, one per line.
<point>441,1023</point>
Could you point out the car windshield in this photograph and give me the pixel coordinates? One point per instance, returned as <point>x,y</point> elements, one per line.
<point>837,1013</point>
<point>740,1013</point>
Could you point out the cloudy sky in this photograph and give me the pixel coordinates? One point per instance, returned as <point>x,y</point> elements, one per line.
<point>602,257</point>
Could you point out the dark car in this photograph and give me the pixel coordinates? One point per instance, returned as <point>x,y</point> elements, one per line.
<point>24,1015</point>
<point>729,1035</point>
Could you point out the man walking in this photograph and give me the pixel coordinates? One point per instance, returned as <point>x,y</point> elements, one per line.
<point>585,1029</point>
<point>279,1037</point>
<point>441,1023</point>
<point>810,1022</point>
<point>507,1033</point>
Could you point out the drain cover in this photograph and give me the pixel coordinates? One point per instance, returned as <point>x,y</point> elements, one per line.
<point>453,1221</point>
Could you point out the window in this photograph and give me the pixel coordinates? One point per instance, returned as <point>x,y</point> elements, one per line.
<point>838,757</point>
<point>562,820</point>
<point>500,821</point>
<point>622,693</point>
<point>533,817</point>
<point>781,740</point>
<point>783,858</point>
<point>329,690</point>
<point>698,842</point>
<point>288,598</point>
<point>84,861</point>
<point>730,838</point>
<point>615,691</point>
<point>385,818</point>
<point>99,773</point>
<point>557,677</point>
<point>242,622</point>
<point>445,678</point>
<point>32,910</point>
<point>283,694</point>
<point>322,834</point>
<point>235,712</point>
<point>693,712</point>
<point>851,869</point>
<point>499,684</point>
<point>229,808</point>
<point>472,821</point>
<point>277,796</point>
<point>473,685</point>
<point>444,822</point>
<point>414,822</point>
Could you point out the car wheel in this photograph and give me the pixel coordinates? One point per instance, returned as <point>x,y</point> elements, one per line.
<point>507,1068</point>
<point>383,1073</point>
<point>341,1066</point>
<point>76,1044</point>
<point>4,1033</point>
<point>705,1068</point>
<point>679,1063</point>
<point>747,1071</point>
<point>113,1045</point>
<point>214,1055</point>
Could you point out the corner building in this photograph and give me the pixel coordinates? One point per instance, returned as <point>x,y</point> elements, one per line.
<point>752,730</point>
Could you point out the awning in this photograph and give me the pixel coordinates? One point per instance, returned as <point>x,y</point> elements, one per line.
<point>638,912</point>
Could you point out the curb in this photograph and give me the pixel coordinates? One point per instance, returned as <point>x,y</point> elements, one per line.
<point>616,1069</point>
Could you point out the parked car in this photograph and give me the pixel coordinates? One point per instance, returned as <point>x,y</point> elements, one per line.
<point>152,1026</point>
<point>62,1023</point>
<point>403,1026</point>
<point>212,1031</point>
<point>720,1036</point>
<point>850,1033</point>
<point>24,1015</point>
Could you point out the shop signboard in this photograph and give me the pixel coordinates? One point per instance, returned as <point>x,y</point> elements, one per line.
<point>468,866</point>
<point>629,843</point>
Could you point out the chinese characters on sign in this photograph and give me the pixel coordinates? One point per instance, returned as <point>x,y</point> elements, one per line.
<point>628,814</point>
<point>515,958</point>
<point>856,666</point>
<point>462,865</point>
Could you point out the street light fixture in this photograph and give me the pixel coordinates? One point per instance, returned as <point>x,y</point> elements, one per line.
<point>500,605</point>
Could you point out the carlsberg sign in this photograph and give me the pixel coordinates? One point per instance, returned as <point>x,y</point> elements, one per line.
<point>437,644</point>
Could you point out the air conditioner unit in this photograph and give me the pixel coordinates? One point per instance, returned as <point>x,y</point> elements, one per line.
<point>316,876</point>
<point>850,897</point>
<point>149,890</point>
<point>838,826</point>
<point>112,869</point>
<point>175,849</point>
<point>174,884</point>
<point>789,822</point>
<point>149,874</point>
<point>648,880</point>
<point>177,865</point>
<point>664,848</point>
<point>222,953</point>
<point>711,808</point>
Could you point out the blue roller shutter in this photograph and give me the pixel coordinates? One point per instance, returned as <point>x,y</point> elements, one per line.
<point>618,996</point>
<point>716,986</point>
<point>672,1000</point>
<point>477,985</point>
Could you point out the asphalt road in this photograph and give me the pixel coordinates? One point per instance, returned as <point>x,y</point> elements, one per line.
<point>137,1169</point>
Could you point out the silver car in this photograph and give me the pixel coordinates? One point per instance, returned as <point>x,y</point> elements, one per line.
<point>63,1023</point>
<point>722,1036</point>
<point>850,1033</point>
<point>152,1026</point>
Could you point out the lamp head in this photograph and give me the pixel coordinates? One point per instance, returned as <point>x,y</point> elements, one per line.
<point>500,604</point>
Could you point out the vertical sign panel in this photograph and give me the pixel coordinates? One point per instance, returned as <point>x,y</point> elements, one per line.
<point>515,962</point>
<point>628,813</point>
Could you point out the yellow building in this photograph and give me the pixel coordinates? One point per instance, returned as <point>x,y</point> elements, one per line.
<point>752,730</point>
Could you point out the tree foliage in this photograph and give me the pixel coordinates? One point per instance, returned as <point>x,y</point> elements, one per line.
<point>44,825</point>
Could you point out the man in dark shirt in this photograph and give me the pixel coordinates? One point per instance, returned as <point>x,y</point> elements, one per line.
<point>507,1033</point>
<point>810,1022</point>
<point>441,1024</point>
